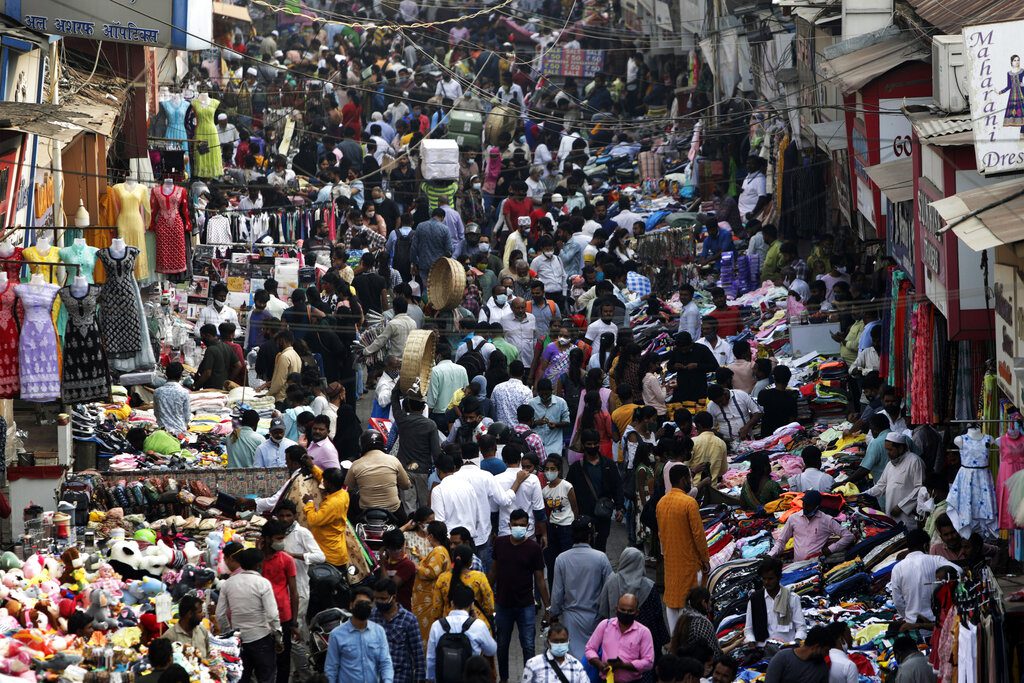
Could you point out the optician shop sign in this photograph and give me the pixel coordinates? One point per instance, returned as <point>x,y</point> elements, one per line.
<point>161,23</point>
<point>995,87</point>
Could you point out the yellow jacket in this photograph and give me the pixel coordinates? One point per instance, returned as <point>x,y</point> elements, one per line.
<point>328,525</point>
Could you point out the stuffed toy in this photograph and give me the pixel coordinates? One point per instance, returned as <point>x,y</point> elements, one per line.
<point>107,579</point>
<point>139,592</point>
<point>192,578</point>
<point>74,567</point>
<point>151,628</point>
<point>99,610</point>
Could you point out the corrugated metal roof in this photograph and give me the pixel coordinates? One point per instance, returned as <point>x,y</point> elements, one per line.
<point>854,70</point>
<point>831,135</point>
<point>928,125</point>
<point>895,179</point>
<point>1000,224</point>
<point>951,17</point>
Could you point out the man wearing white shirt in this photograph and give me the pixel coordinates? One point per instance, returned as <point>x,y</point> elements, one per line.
<point>455,500</point>
<point>521,330</point>
<point>689,317</point>
<point>812,478</point>
<point>774,613</point>
<point>461,600</point>
<point>534,185</point>
<point>497,307</point>
<point>754,193</point>
<point>625,218</point>
<point>721,348</point>
<point>913,581</point>
<point>217,311</point>
<point>550,270</point>
<point>528,496</point>
<point>605,324</point>
<point>900,480</point>
<point>270,453</point>
<point>448,87</point>
<point>276,307</point>
<point>735,413</point>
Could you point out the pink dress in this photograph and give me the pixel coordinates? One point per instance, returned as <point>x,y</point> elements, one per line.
<point>9,378</point>
<point>170,222</point>
<point>1011,461</point>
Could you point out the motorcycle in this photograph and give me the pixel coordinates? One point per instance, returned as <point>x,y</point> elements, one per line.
<point>320,628</point>
<point>371,528</point>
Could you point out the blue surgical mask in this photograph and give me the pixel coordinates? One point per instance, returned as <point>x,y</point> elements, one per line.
<point>550,475</point>
<point>378,200</point>
<point>519,532</point>
<point>501,299</point>
<point>559,649</point>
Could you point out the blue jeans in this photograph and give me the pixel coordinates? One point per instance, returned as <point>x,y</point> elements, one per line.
<point>525,618</point>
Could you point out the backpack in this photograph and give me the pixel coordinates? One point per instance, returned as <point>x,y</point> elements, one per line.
<point>551,307</point>
<point>473,360</point>
<point>451,652</point>
<point>520,439</point>
<point>401,259</point>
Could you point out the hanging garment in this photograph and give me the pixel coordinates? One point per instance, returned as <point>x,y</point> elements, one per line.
<point>85,377</point>
<point>38,361</point>
<point>132,208</point>
<point>12,266</point>
<point>209,164</point>
<point>8,341</point>
<point>120,319</point>
<point>972,498</point>
<point>1011,461</point>
<point>49,273</point>
<point>176,121</point>
<point>84,256</point>
<point>170,223</point>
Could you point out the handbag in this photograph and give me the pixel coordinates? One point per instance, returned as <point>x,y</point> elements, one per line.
<point>604,507</point>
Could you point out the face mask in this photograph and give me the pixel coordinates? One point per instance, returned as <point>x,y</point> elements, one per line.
<point>519,532</point>
<point>548,254</point>
<point>501,299</point>
<point>218,304</point>
<point>559,650</point>
<point>599,277</point>
<point>362,609</point>
<point>476,186</point>
<point>384,606</point>
<point>277,545</point>
<point>591,450</point>
<point>485,247</point>
<point>550,475</point>
<point>563,340</point>
<point>378,200</point>
<point>1013,431</point>
<point>625,618</point>
<point>276,441</point>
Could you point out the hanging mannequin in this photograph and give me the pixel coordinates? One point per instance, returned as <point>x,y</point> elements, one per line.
<point>176,98</point>
<point>208,159</point>
<point>85,371</point>
<point>204,98</point>
<point>171,223</point>
<point>1011,461</point>
<point>82,255</point>
<point>38,356</point>
<point>43,246</point>
<point>6,249</point>
<point>972,499</point>
<point>37,279</point>
<point>80,242</point>
<point>117,247</point>
<point>132,207</point>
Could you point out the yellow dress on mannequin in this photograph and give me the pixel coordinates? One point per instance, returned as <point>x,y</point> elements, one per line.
<point>133,211</point>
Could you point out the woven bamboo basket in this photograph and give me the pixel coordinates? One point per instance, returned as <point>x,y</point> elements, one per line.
<point>446,284</point>
<point>418,359</point>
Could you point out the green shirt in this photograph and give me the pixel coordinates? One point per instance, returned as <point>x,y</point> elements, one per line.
<point>445,379</point>
<point>242,447</point>
<point>501,344</point>
<point>851,344</point>
<point>771,269</point>
<point>161,442</point>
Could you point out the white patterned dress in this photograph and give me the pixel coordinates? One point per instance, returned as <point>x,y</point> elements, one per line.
<point>972,497</point>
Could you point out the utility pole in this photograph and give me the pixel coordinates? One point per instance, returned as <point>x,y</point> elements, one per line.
<point>56,147</point>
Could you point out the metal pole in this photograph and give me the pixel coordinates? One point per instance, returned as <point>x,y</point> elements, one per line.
<point>56,150</point>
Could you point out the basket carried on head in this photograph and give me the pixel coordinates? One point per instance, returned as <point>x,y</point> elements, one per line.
<point>418,359</point>
<point>446,284</point>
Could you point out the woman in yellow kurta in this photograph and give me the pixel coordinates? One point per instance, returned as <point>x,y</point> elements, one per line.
<point>483,596</point>
<point>435,563</point>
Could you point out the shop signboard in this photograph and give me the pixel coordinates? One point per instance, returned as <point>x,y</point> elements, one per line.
<point>572,62</point>
<point>933,248</point>
<point>996,94</point>
<point>1005,303</point>
<point>899,233</point>
<point>158,23</point>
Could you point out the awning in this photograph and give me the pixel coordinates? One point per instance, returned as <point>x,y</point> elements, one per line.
<point>858,68</point>
<point>238,12</point>
<point>895,179</point>
<point>46,120</point>
<point>1000,224</point>
<point>942,131</point>
<point>951,17</point>
<point>831,135</point>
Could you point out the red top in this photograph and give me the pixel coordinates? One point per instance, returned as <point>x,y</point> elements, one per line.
<point>514,208</point>
<point>277,569</point>
<point>728,320</point>
<point>403,570</point>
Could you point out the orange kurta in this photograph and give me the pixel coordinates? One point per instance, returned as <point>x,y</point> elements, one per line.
<point>683,545</point>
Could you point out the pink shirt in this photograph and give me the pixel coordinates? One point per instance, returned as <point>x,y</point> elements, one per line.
<point>810,535</point>
<point>324,454</point>
<point>634,646</point>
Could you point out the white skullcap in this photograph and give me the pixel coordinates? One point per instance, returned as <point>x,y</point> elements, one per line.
<point>274,33</point>
<point>894,437</point>
<point>252,71</point>
<point>222,117</point>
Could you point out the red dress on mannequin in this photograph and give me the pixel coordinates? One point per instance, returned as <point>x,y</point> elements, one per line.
<point>171,223</point>
<point>9,382</point>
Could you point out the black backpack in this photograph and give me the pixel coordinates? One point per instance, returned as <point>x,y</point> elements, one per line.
<point>451,652</point>
<point>473,360</point>
<point>402,258</point>
<point>520,439</point>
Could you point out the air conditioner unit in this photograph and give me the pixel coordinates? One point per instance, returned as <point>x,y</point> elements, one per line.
<point>949,73</point>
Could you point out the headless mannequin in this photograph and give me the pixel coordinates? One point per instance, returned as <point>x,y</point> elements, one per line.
<point>972,433</point>
<point>168,187</point>
<point>117,248</point>
<point>130,184</point>
<point>6,249</point>
<point>80,242</point>
<point>176,98</point>
<point>43,246</point>
<point>79,286</point>
<point>37,280</point>
<point>204,99</point>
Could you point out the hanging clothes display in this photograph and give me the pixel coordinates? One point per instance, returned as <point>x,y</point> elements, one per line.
<point>171,223</point>
<point>132,208</point>
<point>972,500</point>
<point>209,163</point>
<point>175,110</point>
<point>1011,461</point>
<point>120,319</point>
<point>49,274</point>
<point>11,267</point>
<point>84,256</point>
<point>85,377</point>
<point>38,360</point>
<point>9,341</point>
<point>922,377</point>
